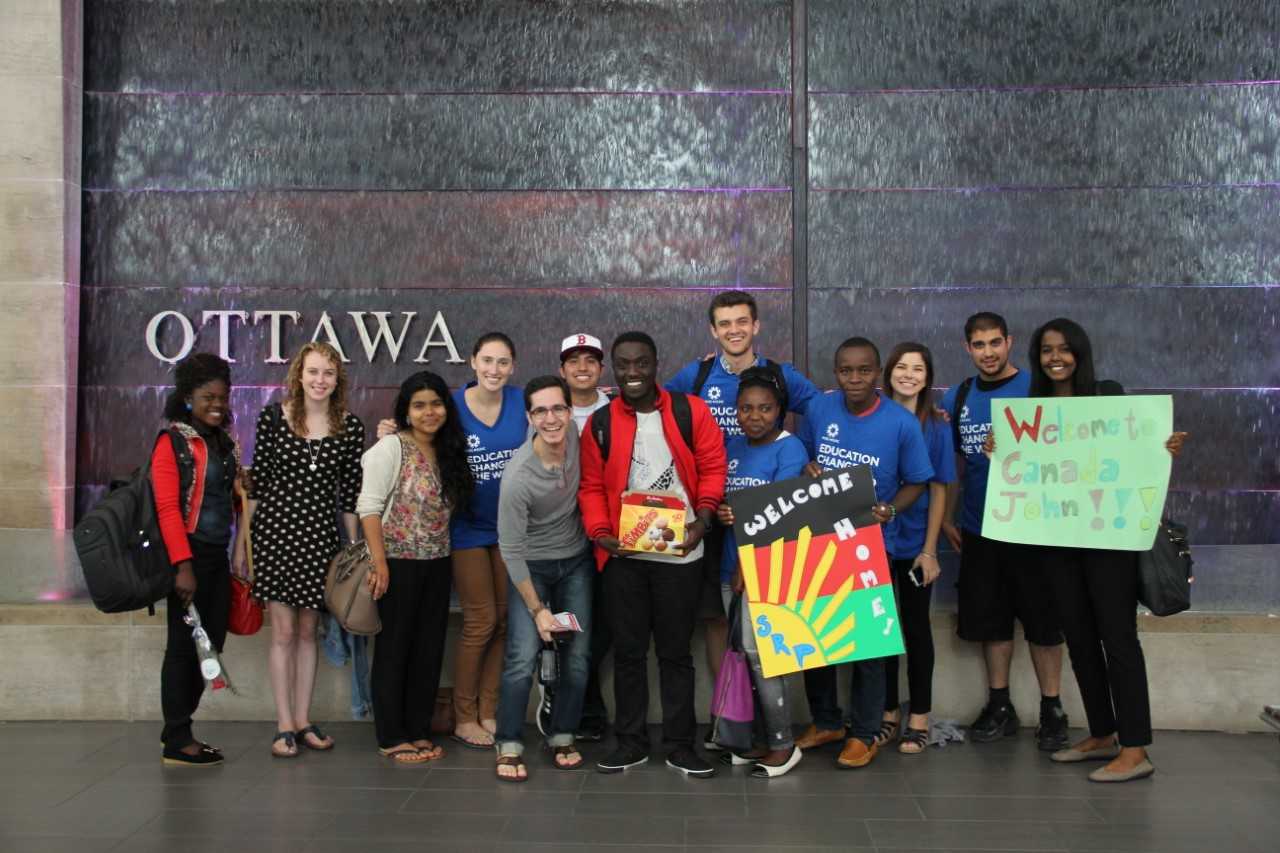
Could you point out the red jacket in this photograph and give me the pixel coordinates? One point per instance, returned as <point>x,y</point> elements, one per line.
<point>178,514</point>
<point>701,470</point>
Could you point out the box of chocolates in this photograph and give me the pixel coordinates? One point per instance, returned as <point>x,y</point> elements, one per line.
<point>651,523</point>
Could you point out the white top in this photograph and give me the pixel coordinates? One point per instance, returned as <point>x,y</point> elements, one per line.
<point>653,470</point>
<point>581,413</point>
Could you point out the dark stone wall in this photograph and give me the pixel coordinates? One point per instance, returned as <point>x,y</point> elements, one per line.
<point>548,167</point>
<point>1116,163</point>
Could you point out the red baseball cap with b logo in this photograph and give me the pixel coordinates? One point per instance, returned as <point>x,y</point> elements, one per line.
<point>590,343</point>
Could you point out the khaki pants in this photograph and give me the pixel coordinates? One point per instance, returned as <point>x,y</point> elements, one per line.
<point>480,576</point>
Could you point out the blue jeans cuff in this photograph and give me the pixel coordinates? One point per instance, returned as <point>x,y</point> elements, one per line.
<point>510,747</point>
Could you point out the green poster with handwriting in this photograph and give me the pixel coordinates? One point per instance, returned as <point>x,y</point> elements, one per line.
<point>1089,472</point>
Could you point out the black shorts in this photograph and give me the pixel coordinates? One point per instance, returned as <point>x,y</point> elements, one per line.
<point>1001,581</point>
<point>710,604</point>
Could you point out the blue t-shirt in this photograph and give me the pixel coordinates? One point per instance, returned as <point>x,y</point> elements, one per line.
<point>780,459</point>
<point>720,391</point>
<point>974,423</point>
<point>908,529</point>
<point>488,449</point>
<point>888,439</point>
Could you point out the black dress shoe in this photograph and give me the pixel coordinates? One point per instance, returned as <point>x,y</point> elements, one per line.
<point>206,757</point>
<point>1051,736</point>
<point>688,762</point>
<point>622,758</point>
<point>994,723</point>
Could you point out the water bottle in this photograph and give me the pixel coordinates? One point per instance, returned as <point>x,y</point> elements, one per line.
<point>210,668</point>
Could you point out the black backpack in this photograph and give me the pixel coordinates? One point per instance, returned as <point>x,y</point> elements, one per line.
<point>962,394</point>
<point>122,553</point>
<point>601,423</point>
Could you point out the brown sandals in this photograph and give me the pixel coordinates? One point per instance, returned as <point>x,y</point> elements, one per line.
<point>521,772</point>
<point>563,752</point>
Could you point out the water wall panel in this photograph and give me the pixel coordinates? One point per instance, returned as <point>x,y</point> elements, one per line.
<point>451,142</point>
<point>930,44</point>
<point>437,46</point>
<point>1038,238</point>
<point>438,239</point>
<point>1046,138</point>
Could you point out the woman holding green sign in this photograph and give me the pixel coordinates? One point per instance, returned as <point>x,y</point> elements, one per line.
<point>1096,590</point>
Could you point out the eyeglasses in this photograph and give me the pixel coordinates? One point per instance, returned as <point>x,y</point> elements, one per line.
<point>540,413</point>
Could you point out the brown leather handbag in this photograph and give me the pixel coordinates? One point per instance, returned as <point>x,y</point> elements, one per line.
<point>346,585</point>
<point>346,590</point>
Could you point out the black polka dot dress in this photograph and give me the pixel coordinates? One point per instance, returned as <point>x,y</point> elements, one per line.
<point>300,486</point>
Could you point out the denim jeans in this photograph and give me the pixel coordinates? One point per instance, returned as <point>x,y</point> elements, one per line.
<point>563,585</point>
<point>866,699</point>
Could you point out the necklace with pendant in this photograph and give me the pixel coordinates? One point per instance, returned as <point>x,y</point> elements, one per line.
<point>315,455</point>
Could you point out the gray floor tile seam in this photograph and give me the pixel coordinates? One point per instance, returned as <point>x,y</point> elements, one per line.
<point>429,779</point>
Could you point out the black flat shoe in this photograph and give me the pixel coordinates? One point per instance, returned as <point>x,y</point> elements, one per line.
<point>203,758</point>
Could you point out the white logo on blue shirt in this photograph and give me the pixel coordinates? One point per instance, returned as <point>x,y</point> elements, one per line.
<point>964,412</point>
<point>473,442</point>
<point>733,465</point>
<point>713,392</point>
<point>833,430</point>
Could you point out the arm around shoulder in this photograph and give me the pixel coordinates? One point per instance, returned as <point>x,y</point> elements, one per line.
<point>381,470</point>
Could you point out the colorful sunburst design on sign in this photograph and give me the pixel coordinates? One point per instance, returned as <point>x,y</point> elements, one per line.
<point>820,600</point>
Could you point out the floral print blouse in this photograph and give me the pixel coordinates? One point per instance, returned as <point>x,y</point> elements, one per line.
<point>418,525</point>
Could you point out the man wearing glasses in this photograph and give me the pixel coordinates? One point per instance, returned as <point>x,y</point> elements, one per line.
<point>550,565</point>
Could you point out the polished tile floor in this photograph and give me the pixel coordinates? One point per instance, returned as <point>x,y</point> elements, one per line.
<point>90,787</point>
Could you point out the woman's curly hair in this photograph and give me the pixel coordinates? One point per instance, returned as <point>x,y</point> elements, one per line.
<point>295,396</point>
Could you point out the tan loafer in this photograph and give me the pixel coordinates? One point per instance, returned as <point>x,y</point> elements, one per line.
<point>814,737</point>
<point>856,754</point>
<point>1071,755</point>
<point>1143,769</point>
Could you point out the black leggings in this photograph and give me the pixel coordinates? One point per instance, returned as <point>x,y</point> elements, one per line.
<point>1097,597</point>
<point>181,684</point>
<point>917,636</point>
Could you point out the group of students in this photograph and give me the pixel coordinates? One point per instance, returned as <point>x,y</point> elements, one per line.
<point>513,498</point>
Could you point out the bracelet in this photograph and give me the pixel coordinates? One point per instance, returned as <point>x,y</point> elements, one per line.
<point>535,611</point>
<point>927,554</point>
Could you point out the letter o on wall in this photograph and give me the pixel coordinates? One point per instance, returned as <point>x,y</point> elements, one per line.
<point>188,336</point>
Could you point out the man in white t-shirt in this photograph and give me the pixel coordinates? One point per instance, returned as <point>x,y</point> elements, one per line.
<point>581,365</point>
<point>649,439</point>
